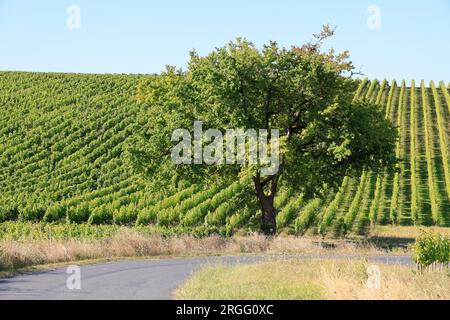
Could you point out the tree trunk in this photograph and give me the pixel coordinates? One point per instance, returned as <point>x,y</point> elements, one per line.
<point>269,213</point>
<point>269,223</point>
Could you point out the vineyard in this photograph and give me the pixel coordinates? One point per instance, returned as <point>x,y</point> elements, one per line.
<point>63,159</point>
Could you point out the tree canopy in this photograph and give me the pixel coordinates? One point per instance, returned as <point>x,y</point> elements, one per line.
<point>307,94</point>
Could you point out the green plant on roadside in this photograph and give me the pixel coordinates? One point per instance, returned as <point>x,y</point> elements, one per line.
<point>431,248</point>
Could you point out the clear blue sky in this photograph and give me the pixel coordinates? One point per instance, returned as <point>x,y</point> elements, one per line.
<point>143,36</point>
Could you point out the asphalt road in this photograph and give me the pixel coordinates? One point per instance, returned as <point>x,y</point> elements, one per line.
<point>135,279</point>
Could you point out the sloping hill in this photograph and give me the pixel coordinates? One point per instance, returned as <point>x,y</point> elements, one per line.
<point>62,142</point>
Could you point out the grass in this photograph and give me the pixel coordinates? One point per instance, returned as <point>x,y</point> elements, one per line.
<point>311,280</point>
<point>404,232</point>
<point>247,282</point>
<point>17,254</point>
<point>24,245</point>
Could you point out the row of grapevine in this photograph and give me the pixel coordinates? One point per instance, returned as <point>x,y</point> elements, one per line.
<point>198,213</point>
<point>150,214</point>
<point>332,209</point>
<point>361,216</point>
<point>289,212</point>
<point>395,211</point>
<point>446,95</point>
<point>415,200</point>
<point>443,143</point>
<point>373,210</point>
<point>428,153</point>
<point>62,159</point>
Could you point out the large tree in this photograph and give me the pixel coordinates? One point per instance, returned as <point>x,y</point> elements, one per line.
<point>306,93</point>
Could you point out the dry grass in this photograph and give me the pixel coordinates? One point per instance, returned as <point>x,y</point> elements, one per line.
<point>404,232</point>
<point>16,254</point>
<point>303,279</point>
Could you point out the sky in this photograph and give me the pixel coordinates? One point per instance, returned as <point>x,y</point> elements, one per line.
<point>386,39</point>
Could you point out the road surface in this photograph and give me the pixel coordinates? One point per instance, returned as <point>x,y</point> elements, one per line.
<point>134,279</point>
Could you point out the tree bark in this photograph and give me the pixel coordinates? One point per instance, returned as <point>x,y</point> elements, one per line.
<point>269,213</point>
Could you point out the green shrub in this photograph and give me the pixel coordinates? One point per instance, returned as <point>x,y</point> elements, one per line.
<point>430,248</point>
<point>146,216</point>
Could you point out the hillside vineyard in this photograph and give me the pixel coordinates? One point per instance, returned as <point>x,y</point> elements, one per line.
<point>62,159</point>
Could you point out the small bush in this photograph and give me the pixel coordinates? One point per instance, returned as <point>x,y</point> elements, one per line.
<point>431,248</point>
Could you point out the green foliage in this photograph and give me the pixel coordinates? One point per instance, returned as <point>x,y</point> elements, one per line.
<point>446,94</point>
<point>125,214</point>
<point>79,213</point>
<point>218,217</point>
<point>200,212</point>
<point>354,206</point>
<point>196,214</point>
<point>67,143</point>
<point>173,215</point>
<point>34,210</point>
<point>239,219</point>
<point>306,215</point>
<point>225,203</point>
<point>332,209</point>
<point>323,136</point>
<point>150,214</point>
<point>289,212</point>
<point>442,132</point>
<point>415,200</point>
<point>8,212</point>
<point>55,212</point>
<point>282,198</point>
<point>101,215</point>
<point>431,247</point>
<point>18,230</point>
<point>428,154</point>
<point>394,209</point>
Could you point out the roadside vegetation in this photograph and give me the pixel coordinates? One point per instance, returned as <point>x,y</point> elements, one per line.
<point>314,279</point>
<point>431,251</point>
<point>25,244</point>
<point>325,278</point>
